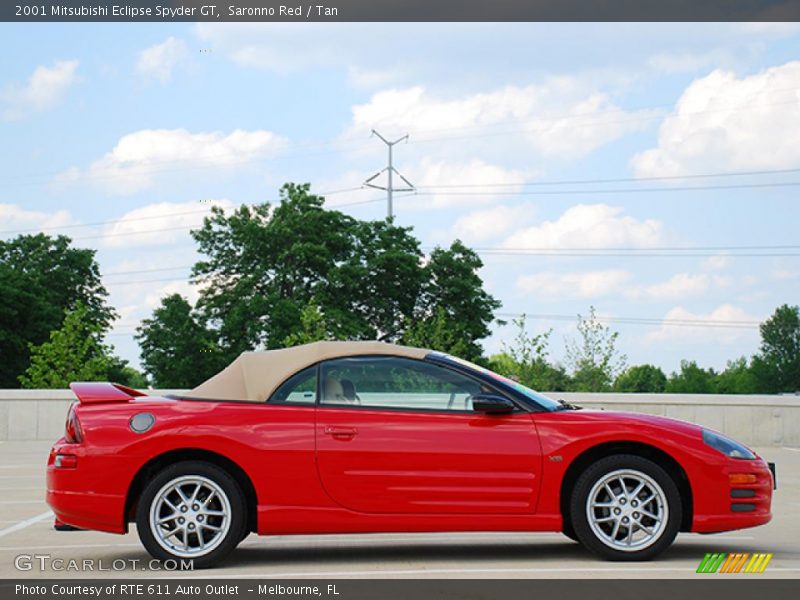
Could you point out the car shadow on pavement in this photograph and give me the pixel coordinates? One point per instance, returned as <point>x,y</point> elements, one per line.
<point>392,552</point>
<point>446,552</point>
<point>276,553</point>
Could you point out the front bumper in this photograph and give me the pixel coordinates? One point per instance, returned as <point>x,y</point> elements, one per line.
<point>733,503</point>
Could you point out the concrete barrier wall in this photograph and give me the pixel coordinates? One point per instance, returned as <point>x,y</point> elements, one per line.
<point>753,420</point>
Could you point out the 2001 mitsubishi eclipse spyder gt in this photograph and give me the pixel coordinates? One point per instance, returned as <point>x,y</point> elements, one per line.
<point>357,437</point>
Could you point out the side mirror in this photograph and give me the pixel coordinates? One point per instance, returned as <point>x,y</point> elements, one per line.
<point>491,404</point>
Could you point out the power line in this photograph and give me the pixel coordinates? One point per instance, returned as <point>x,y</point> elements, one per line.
<point>272,155</point>
<point>497,184</point>
<point>646,321</point>
<point>643,320</point>
<point>139,271</point>
<point>161,230</point>
<point>97,223</point>
<point>487,250</point>
<point>619,190</point>
<point>615,180</point>
<point>520,131</point>
<point>171,279</point>
<point>634,255</point>
<point>252,156</point>
<point>647,249</point>
<point>523,251</point>
<point>161,216</point>
<point>653,107</point>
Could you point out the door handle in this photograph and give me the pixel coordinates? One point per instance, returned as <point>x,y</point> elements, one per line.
<point>341,433</point>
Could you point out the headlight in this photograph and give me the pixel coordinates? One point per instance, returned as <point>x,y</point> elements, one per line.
<point>727,446</point>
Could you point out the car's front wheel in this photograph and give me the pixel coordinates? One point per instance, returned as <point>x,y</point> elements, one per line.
<point>192,510</point>
<point>625,507</point>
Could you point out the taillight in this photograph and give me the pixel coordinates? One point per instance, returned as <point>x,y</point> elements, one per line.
<point>73,433</point>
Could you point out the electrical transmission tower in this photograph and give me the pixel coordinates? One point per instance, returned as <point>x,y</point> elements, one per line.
<point>390,171</point>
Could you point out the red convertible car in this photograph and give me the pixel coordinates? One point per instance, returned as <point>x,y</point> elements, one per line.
<point>359,437</point>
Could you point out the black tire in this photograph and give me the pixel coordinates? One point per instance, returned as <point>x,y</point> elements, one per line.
<point>222,542</point>
<point>651,545</point>
<point>569,531</point>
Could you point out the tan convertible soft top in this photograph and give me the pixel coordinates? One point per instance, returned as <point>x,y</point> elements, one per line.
<point>254,376</point>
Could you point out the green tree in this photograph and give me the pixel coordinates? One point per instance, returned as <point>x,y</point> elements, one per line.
<point>314,327</point>
<point>737,378</point>
<point>177,349</point>
<point>692,379</point>
<point>265,264</point>
<point>527,360</point>
<point>372,294</point>
<point>121,372</point>
<point>41,279</point>
<point>436,333</point>
<point>594,360</point>
<point>776,367</point>
<point>452,287</point>
<point>641,379</point>
<point>74,352</point>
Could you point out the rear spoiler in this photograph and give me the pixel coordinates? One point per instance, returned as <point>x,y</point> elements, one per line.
<point>95,392</point>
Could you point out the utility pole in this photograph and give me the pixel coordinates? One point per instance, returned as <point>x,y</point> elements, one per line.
<point>390,171</point>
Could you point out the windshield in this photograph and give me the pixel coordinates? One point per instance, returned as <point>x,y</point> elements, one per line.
<point>541,399</point>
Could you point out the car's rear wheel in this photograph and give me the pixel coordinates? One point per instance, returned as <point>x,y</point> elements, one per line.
<point>625,507</point>
<point>192,510</point>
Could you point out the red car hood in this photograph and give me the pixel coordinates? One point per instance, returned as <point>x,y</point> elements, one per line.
<point>633,418</point>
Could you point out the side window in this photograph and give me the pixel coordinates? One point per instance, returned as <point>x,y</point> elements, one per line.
<point>300,388</point>
<point>391,382</point>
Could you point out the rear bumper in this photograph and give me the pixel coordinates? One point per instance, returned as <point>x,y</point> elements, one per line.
<point>72,495</point>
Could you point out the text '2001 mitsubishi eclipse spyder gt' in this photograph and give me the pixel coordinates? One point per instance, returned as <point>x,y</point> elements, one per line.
<point>362,437</point>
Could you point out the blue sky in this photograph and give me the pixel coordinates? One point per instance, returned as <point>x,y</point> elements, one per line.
<point>147,125</point>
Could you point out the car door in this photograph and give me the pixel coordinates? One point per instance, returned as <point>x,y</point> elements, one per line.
<point>396,435</point>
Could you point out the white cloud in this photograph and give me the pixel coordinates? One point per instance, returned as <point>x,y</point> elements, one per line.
<point>589,226</point>
<point>683,62</point>
<point>144,226</point>
<point>15,218</point>
<point>725,123</point>
<point>485,181</point>
<point>45,89</point>
<point>370,78</point>
<point>680,285</point>
<point>783,275</point>
<point>159,61</point>
<point>717,262</point>
<point>557,118</point>
<point>138,157</point>
<point>188,290</point>
<point>482,225</point>
<point>284,47</point>
<point>770,28</point>
<point>688,61</point>
<point>745,326</point>
<point>137,301</point>
<point>591,284</point>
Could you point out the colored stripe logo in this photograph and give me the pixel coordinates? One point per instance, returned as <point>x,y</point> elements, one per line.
<point>738,562</point>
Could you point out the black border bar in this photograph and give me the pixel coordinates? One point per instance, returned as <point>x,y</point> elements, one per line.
<point>400,10</point>
<point>745,587</point>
